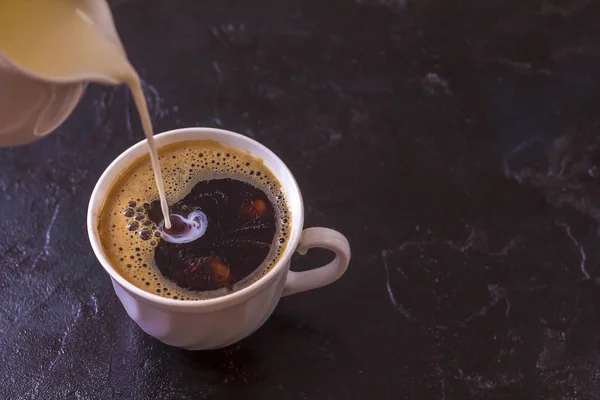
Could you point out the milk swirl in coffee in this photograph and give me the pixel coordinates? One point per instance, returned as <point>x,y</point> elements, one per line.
<point>237,222</point>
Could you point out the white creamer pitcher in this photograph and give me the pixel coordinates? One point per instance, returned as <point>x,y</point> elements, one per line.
<point>33,104</point>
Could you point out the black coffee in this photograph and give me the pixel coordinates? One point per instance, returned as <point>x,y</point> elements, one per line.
<point>229,214</point>
<point>240,230</point>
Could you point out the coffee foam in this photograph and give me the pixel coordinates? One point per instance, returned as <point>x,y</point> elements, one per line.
<point>128,237</point>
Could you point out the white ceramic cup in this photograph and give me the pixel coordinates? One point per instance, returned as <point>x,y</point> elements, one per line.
<point>219,322</point>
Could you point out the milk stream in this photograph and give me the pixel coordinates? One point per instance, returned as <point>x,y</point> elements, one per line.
<point>60,41</point>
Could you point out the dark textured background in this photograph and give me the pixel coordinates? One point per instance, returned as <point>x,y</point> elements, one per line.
<point>454,142</point>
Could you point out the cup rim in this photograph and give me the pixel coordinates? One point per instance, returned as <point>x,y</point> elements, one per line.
<point>126,158</point>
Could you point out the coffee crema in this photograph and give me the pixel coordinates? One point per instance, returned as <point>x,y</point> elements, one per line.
<point>238,204</point>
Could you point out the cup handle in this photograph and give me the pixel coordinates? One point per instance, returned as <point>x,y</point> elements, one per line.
<point>326,238</point>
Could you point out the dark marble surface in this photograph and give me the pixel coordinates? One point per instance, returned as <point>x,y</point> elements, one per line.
<point>454,142</point>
